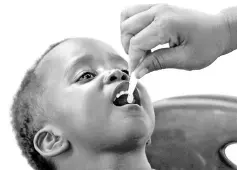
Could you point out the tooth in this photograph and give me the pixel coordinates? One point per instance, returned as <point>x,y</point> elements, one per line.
<point>121,93</point>
<point>117,95</point>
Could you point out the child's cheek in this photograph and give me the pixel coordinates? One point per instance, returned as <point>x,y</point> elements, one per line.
<point>146,102</point>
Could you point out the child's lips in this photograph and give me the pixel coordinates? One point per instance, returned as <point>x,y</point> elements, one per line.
<point>124,87</point>
<point>121,87</point>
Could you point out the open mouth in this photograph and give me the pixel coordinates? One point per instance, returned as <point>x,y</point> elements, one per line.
<point>120,95</point>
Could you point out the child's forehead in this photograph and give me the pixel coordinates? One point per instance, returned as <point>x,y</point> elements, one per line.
<point>87,48</point>
<point>87,51</point>
<point>82,51</point>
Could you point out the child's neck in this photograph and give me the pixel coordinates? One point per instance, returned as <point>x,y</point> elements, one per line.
<point>82,160</point>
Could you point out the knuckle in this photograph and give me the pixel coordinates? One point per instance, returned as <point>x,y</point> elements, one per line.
<point>156,62</point>
<point>123,14</point>
<point>166,7</point>
<point>164,14</point>
<point>165,22</point>
<point>124,43</point>
<point>126,38</point>
<point>162,26</point>
<point>162,8</point>
<point>135,44</point>
<point>133,41</point>
<point>122,28</point>
<point>122,39</point>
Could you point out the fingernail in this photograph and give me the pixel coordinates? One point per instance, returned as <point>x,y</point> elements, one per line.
<point>142,72</point>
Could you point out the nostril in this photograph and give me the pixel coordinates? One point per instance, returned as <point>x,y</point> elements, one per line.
<point>124,77</point>
<point>112,78</point>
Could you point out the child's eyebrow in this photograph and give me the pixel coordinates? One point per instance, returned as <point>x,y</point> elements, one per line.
<point>78,61</point>
<point>117,58</point>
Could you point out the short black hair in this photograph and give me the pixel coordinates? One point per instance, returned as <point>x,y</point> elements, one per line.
<point>27,115</point>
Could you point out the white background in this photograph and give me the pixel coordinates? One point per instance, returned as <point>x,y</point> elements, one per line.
<point>28,27</point>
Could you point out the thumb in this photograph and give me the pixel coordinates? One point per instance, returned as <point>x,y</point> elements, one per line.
<point>134,63</point>
<point>161,59</point>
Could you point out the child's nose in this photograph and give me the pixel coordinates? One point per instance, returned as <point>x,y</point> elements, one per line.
<point>115,75</point>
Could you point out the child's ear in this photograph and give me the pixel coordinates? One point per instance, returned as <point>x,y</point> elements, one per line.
<point>49,142</point>
<point>148,142</point>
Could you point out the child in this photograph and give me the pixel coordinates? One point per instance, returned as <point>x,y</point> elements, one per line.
<point>71,111</point>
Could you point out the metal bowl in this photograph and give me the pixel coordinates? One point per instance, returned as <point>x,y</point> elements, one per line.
<point>192,131</point>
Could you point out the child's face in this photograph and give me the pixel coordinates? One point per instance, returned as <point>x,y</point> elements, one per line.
<point>81,76</point>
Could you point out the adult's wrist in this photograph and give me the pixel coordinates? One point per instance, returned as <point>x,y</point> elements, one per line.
<point>229,16</point>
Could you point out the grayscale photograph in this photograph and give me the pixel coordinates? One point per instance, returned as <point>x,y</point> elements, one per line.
<point>119,85</point>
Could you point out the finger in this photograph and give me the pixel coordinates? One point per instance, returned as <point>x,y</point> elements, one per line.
<point>130,11</point>
<point>151,36</point>
<point>134,62</point>
<point>162,59</point>
<point>146,39</point>
<point>125,40</point>
<point>133,25</point>
<point>137,22</point>
<point>131,63</point>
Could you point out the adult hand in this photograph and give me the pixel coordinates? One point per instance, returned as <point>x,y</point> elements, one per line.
<point>196,39</point>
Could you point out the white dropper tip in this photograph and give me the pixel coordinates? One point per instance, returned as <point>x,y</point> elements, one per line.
<point>130,98</point>
<point>132,84</point>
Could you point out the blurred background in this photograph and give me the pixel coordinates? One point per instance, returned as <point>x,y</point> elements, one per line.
<point>29,27</point>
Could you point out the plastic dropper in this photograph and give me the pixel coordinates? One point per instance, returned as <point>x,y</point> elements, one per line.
<point>133,82</point>
<point>132,85</point>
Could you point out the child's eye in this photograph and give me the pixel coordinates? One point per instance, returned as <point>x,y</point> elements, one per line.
<point>86,76</point>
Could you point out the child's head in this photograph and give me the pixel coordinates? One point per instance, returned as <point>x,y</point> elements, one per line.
<point>68,104</point>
